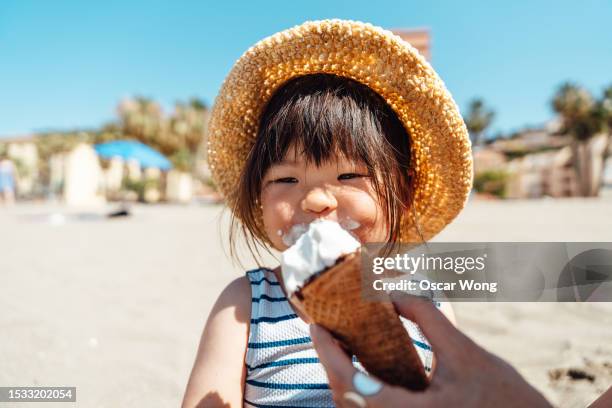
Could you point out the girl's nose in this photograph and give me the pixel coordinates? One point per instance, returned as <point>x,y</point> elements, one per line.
<point>318,201</point>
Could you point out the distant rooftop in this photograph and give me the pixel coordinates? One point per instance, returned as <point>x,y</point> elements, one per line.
<point>531,140</point>
<point>419,38</point>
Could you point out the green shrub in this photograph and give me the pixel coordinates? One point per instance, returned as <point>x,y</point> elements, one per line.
<point>183,160</point>
<point>140,186</point>
<point>491,182</point>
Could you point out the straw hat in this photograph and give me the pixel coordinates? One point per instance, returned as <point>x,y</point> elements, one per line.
<point>441,148</point>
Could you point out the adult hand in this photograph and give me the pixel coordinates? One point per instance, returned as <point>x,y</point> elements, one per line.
<point>465,374</point>
<point>604,401</point>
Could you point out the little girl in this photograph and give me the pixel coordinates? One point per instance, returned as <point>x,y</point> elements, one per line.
<point>331,119</point>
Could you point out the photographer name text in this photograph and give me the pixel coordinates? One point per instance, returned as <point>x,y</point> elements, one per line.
<point>469,285</point>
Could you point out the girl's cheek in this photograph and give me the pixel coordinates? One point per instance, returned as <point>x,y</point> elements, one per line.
<point>276,205</point>
<point>277,215</point>
<point>363,209</point>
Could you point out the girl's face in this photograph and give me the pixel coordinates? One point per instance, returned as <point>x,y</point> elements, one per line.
<point>294,192</point>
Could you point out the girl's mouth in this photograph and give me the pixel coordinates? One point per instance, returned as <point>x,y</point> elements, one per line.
<point>294,233</point>
<point>297,230</point>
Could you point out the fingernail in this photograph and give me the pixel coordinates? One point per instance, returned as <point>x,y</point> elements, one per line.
<point>366,385</point>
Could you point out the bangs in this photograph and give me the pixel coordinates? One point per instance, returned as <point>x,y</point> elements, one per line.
<point>322,125</point>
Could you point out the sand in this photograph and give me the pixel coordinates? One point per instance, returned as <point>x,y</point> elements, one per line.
<point>116,307</point>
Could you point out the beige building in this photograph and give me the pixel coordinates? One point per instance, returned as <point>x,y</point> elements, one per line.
<point>539,163</point>
<point>419,38</point>
<point>488,159</point>
<point>542,174</point>
<point>24,154</point>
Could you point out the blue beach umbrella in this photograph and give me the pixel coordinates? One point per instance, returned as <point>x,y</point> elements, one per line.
<point>133,150</point>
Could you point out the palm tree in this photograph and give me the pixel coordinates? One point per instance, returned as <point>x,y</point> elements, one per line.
<point>604,110</point>
<point>188,127</point>
<point>189,123</point>
<point>141,118</point>
<point>478,119</point>
<point>183,130</point>
<point>581,117</point>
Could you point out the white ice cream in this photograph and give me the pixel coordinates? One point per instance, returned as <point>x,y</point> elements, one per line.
<point>294,233</point>
<point>317,248</point>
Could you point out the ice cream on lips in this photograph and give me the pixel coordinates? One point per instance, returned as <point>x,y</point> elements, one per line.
<point>317,247</point>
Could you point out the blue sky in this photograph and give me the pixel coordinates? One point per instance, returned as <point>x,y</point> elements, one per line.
<point>66,64</point>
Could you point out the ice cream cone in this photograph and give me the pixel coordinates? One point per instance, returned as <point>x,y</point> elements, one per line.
<point>371,330</point>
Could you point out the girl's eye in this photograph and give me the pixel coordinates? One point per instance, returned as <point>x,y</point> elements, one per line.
<point>285,180</point>
<point>348,176</point>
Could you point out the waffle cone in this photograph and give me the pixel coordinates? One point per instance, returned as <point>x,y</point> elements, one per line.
<point>371,330</point>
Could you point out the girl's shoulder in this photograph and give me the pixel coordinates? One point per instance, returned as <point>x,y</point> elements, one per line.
<point>242,285</point>
<point>236,294</point>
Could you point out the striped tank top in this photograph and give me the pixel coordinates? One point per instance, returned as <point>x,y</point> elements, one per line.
<point>283,369</point>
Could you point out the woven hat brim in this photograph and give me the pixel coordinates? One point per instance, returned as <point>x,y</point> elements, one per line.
<point>441,148</point>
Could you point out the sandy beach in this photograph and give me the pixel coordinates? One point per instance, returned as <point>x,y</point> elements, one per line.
<point>116,307</point>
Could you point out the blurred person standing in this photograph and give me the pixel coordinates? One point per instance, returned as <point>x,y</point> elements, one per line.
<point>7,180</point>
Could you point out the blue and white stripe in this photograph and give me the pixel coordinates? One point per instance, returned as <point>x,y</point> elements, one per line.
<point>283,369</point>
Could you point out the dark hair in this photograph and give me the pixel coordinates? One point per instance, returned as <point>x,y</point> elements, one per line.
<point>324,116</point>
